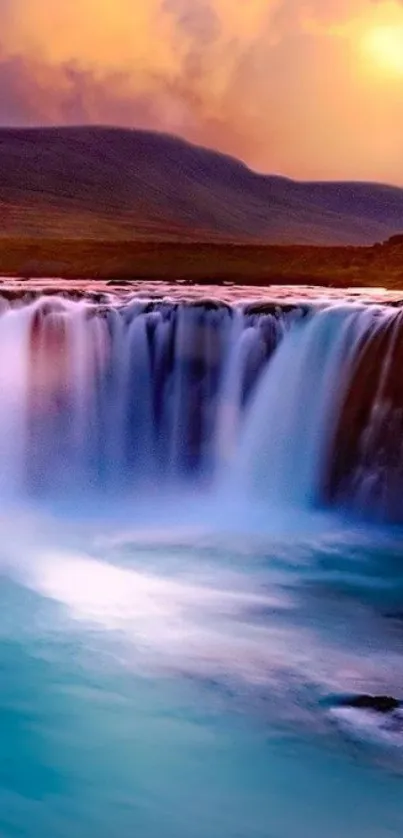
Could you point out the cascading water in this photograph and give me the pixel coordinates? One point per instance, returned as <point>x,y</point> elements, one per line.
<point>291,423</point>
<point>109,397</point>
<point>136,615</point>
<point>105,396</point>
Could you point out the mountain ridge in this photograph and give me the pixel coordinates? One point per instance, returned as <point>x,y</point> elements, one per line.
<point>125,183</point>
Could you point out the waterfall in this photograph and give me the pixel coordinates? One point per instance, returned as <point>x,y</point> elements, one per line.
<point>97,397</point>
<point>292,419</point>
<point>300,405</point>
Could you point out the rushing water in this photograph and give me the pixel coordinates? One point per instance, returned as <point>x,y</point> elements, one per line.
<point>200,548</point>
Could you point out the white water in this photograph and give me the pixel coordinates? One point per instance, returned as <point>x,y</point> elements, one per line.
<point>292,419</point>
<point>174,610</point>
<point>103,398</point>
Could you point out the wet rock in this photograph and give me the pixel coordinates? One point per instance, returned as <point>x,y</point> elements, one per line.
<point>377,703</point>
<point>365,466</point>
<point>370,719</point>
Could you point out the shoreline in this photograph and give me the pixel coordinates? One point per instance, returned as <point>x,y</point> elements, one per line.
<point>203,263</point>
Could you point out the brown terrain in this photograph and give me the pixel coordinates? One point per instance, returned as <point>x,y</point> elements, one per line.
<point>118,205</point>
<point>342,267</point>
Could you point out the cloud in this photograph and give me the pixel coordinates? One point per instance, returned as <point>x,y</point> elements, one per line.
<point>168,64</point>
<point>276,82</point>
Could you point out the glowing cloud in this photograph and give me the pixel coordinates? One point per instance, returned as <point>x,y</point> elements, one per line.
<point>384,46</point>
<point>308,90</point>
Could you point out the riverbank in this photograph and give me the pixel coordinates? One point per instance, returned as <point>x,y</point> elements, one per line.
<point>204,262</point>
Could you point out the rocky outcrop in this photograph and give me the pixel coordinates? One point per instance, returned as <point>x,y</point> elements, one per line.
<point>377,703</point>
<point>365,467</point>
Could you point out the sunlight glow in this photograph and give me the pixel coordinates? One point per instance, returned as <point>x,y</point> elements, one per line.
<point>383,45</point>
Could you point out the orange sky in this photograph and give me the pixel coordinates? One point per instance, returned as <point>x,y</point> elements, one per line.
<point>310,89</point>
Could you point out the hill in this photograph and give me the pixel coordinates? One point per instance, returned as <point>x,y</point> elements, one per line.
<point>117,184</point>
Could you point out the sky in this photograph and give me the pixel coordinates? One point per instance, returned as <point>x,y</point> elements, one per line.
<point>312,90</point>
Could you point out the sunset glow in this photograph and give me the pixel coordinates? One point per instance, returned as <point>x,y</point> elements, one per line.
<point>311,100</point>
<point>384,46</point>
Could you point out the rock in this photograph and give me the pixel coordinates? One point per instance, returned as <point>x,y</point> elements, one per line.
<point>377,703</point>
<point>365,466</point>
<point>371,719</point>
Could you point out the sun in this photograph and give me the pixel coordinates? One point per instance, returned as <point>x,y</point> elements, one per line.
<point>383,47</point>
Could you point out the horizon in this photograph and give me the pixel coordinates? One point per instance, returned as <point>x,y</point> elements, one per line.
<point>310,94</point>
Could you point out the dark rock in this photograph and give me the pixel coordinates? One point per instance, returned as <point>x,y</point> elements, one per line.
<point>365,465</point>
<point>379,703</point>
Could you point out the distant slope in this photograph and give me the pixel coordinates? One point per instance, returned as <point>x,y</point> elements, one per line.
<point>116,183</point>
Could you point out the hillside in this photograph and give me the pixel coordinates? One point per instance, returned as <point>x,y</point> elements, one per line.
<point>115,184</point>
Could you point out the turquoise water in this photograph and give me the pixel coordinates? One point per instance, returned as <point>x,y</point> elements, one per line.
<point>164,673</point>
<point>171,661</point>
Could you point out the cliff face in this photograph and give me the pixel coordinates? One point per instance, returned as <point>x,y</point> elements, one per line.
<point>366,463</point>
<point>115,183</point>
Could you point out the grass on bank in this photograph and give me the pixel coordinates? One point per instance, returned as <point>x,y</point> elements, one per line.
<point>208,262</point>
